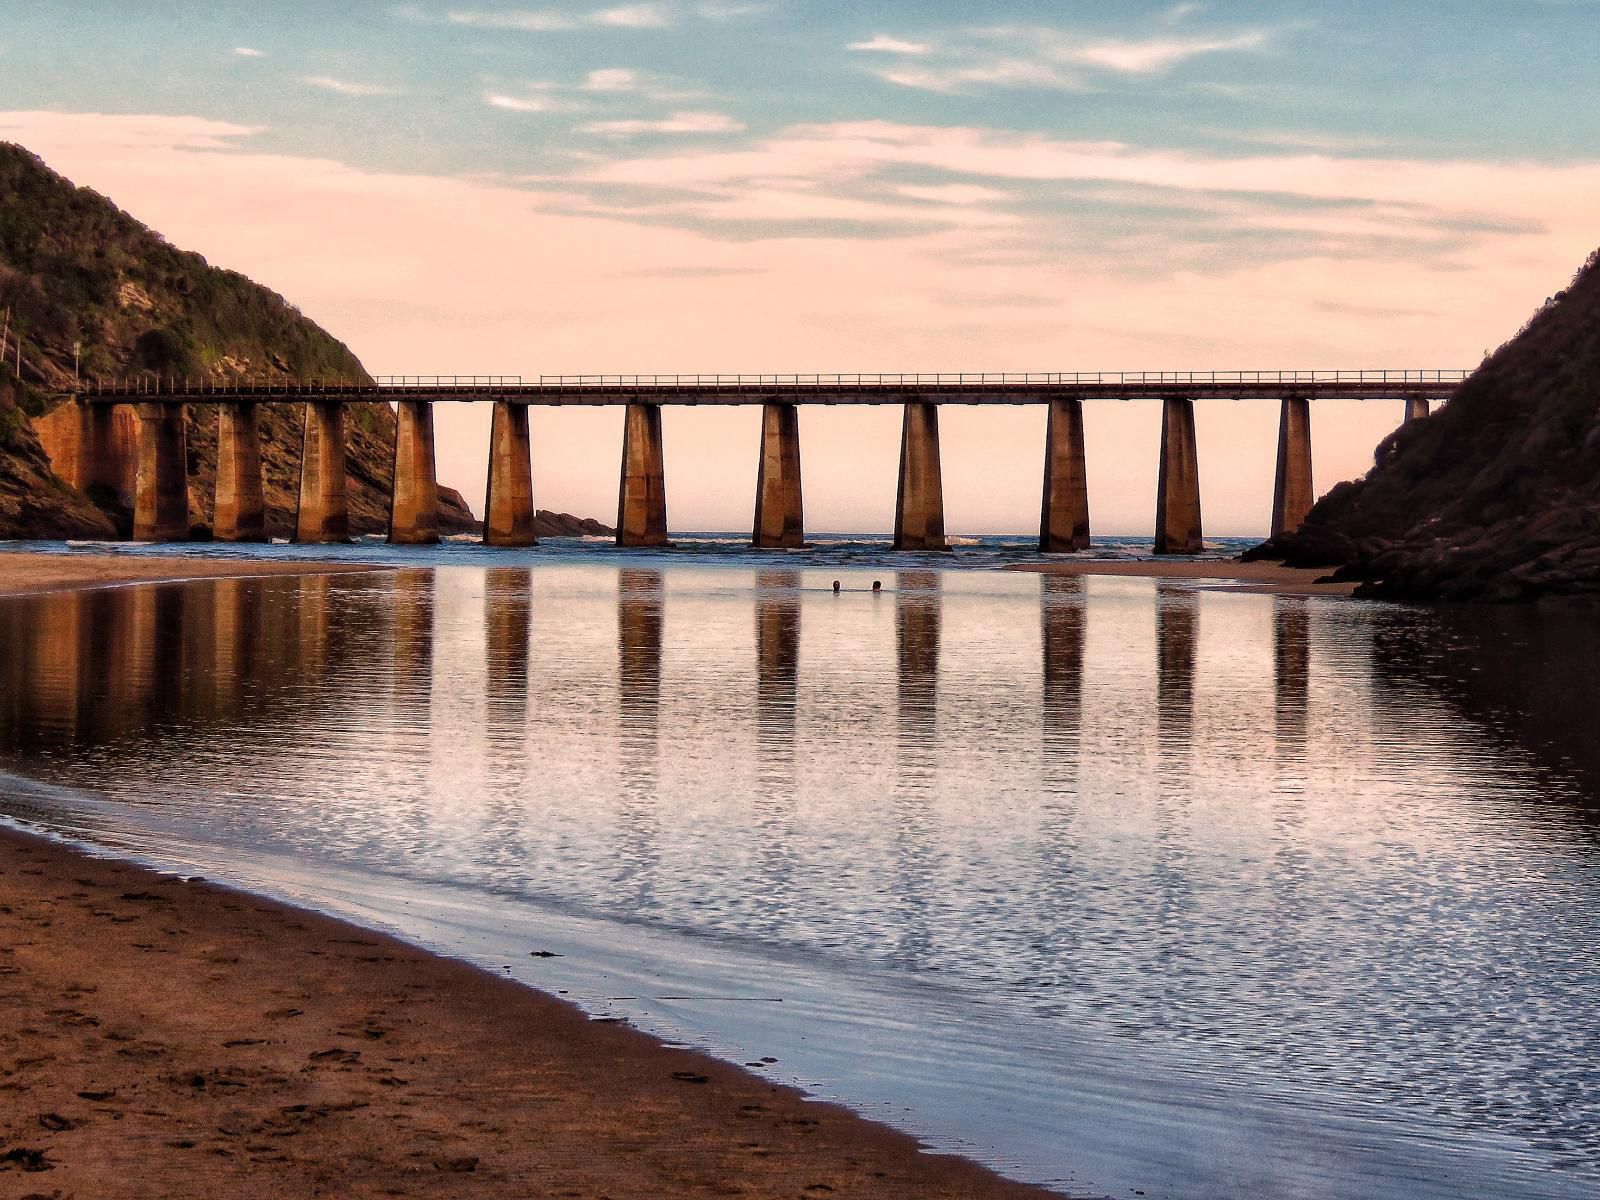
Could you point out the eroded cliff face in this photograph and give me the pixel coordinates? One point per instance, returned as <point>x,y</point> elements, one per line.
<point>85,286</point>
<point>1496,496</point>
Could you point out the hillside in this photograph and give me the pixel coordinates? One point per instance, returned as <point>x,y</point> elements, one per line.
<point>1494,497</point>
<point>76,271</point>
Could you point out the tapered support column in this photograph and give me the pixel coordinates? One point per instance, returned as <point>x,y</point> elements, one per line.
<point>97,466</point>
<point>508,508</point>
<point>241,510</point>
<point>1416,407</point>
<point>161,493</point>
<point>642,504</point>
<point>919,508</point>
<point>324,514</point>
<point>1293,495</point>
<point>414,502</point>
<point>780,516</point>
<point>1178,484</point>
<point>1064,523</point>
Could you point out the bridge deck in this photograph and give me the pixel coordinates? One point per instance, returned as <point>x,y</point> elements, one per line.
<point>802,389</point>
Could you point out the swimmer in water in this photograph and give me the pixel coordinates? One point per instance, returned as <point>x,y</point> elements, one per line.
<point>835,587</point>
<point>877,587</point>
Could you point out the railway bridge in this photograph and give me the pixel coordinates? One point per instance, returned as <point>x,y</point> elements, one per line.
<point>161,487</point>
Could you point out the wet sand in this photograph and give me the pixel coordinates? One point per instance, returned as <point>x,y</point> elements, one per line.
<point>26,571</point>
<point>170,1038</point>
<point>1235,576</point>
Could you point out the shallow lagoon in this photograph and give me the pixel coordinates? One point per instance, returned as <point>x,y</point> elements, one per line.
<point>1114,884</point>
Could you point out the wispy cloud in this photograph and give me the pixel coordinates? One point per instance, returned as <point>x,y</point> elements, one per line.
<point>345,87</point>
<point>730,10</point>
<point>677,123</point>
<point>248,52</point>
<point>557,20</point>
<point>532,103</point>
<point>882,43</point>
<point>1043,58</point>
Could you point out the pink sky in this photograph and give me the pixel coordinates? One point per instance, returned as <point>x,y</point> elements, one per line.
<point>1428,264</point>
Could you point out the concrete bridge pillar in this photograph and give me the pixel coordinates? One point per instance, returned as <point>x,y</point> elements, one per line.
<point>98,462</point>
<point>642,504</point>
<point>414,502</point>
<point>1416,407</point>
<point>1064,524</point>
<point>508,506</point>
<point>780,517</point>
<point>919,509</point>
<point>161,493</point>
<point>1293,495</point>
<point>1178,483</point>
<point>241,508</point>
<point>324,514</point>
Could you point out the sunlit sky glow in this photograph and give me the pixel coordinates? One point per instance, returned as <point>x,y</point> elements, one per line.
<point>810,185</point>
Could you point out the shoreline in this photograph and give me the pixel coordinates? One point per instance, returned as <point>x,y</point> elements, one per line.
<point>1264,578</point>
<point>37,572</point>
<point>311,1053</point>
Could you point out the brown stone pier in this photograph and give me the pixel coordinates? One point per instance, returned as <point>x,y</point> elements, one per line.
<point>1178,483</point>
<point>508,506</point>
<point>1064,523</point>
<point>1293,494</point>
<point>780,514</point>
<point>414,503</point>
<point>1416,408</point>
<point>94,447</point>
<point>241,508</point>
<point>161,495</point>
<point>919,508</point>
<point>642,503</point>
<point>324,514</point>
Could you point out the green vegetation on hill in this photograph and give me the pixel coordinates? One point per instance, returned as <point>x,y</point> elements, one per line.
<point>82,281</point>
<point>75,269</point>
<point>1497,495</point>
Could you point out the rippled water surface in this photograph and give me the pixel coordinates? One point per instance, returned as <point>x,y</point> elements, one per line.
<point>1115,884</point>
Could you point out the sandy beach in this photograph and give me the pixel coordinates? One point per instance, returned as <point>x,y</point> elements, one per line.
<point>164,1037</point>
<point>24,571</point>
<point>1231,575</point>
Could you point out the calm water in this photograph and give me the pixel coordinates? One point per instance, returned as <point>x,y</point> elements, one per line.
<point>1115,884</point>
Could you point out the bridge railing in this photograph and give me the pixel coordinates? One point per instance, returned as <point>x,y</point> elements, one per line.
<point>149,385</point>
<point>1006,378</point>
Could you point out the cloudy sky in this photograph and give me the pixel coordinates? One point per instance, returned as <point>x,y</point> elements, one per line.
<point>821,185</point>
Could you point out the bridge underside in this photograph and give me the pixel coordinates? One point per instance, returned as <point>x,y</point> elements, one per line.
<point>642,508</point>
<point>751,394</point>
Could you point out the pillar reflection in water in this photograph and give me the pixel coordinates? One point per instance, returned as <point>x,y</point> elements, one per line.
<point>508,632</point>
<point>777,662</point>
<point>919,600</point>
<point>772,807</point>
<point>1291,672</point>
<point>413,643</point>
<point>640,623</point>
<point>1063,624</point>
<point>1177,633</point>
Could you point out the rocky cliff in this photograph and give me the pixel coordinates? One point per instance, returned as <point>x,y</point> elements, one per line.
<point>1494,497</point>
<point>85,286</point>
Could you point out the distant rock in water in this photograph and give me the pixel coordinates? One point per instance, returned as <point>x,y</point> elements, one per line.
<point>554,524</point>
<point>1496,497</point>
<point>81,279</point>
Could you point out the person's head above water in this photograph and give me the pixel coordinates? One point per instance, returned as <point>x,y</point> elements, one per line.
<point>836,585</point>
<point>877,585</point>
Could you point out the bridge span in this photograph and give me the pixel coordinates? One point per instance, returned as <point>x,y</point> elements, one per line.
<point>161,485</point>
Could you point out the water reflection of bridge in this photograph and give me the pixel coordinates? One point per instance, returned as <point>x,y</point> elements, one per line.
<point>95,667</point>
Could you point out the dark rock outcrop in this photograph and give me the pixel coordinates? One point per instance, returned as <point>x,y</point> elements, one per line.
<point>1495,497</point>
